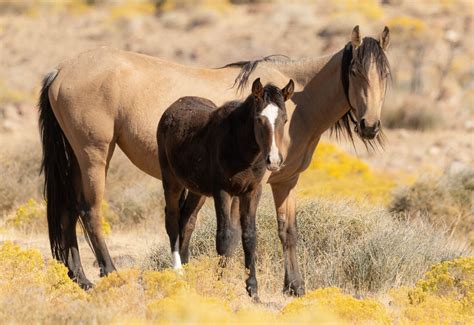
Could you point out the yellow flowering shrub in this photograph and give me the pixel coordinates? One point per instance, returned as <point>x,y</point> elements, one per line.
<point>200,294</point>
<point>128,9</point>
<point>445,295</point>
<point>27,270</point>
<point>31,217</point>
<point>335,173</point>
<point>346,308</point>
<point>369,8</point>
<point>407,25</point>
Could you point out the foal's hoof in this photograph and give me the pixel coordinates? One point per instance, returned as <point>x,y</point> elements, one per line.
<point>251,287</point>
<point>295,288</point>
<point>85,284</point>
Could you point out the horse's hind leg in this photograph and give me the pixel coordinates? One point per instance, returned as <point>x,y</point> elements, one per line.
<point>71,250</point>
<point>189,211</point>
<point>93,163</point>
<point>69,237</point>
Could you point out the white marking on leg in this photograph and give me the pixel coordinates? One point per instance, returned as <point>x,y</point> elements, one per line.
<point>176,261</point>
<point>271,113</point>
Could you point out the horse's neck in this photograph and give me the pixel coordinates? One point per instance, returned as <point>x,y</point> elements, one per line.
<point>321,102</point>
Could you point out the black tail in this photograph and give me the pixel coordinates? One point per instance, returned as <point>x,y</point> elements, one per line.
<point>57,166</point>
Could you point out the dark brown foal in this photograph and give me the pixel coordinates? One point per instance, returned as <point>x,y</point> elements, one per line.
<point>224,153</point>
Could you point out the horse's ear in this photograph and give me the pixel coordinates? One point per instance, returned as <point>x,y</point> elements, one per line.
<point>356,39</point>
<point>257,88</point>
<point>385,38</point>
<point>288,90</point>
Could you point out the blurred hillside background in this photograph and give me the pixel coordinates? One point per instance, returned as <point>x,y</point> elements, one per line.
<point>369,221</point>
<point>431,53</point>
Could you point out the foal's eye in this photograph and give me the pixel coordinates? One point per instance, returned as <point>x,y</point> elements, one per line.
<point>260,120</point>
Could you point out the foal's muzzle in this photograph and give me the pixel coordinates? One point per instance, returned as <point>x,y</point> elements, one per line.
<point>366,131</point>
<point>274,162</point>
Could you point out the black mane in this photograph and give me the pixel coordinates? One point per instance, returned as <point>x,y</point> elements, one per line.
<point>370,48</point>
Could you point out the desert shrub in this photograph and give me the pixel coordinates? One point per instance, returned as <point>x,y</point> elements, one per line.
<point>335,173</point>
<point>31,218</point>
<point>345,307</point>
<point>443,295</point>
<point>19,176</point>
<point>345,245</point>
<point>28,283</point>
<point>369,8</point>
<point>135,197</point>
<point>446,202</point>
<point>202,292</point>
<point>415,113</point>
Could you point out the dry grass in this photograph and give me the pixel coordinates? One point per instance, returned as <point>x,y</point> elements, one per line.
<point>356,248</point>
<point>446,202</point>
<point>42,292</point>
<point>414,113</point>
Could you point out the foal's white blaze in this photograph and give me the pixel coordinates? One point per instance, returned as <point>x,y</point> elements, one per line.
<point>271,113</point>
<point>176,261</point>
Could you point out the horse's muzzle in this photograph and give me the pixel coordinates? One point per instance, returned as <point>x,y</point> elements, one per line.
<point>366,131</point>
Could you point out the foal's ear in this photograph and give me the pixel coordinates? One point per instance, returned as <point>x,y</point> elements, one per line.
<point>288,90</point>
<point>356,39</point>
<point>385,38</point>
<point>257,88</point>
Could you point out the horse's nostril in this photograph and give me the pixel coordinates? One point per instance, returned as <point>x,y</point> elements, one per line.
<point>268,160</point>
<point>378,124</point>
<point>362,123</point>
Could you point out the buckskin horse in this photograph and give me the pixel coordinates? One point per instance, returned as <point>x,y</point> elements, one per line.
<point>105,97</point>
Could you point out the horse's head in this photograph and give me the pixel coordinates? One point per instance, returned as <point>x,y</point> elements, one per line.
<point>368,75</point>
<point>270,118</point>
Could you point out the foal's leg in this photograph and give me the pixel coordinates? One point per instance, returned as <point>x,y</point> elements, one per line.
<point>285,203</point>
<point>248,210</point>
<point>187,220</point>
<point>234,226</point>
<point>222,203</point>
<point>173,190</point>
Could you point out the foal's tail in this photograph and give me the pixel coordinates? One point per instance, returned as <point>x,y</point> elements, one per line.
<point>57,166</point>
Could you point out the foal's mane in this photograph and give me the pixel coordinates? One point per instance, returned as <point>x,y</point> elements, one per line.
<point>270,93</point>
<point>369,49</point>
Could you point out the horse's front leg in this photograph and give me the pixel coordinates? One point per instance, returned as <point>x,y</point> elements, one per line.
<point>285,203</point>
<point>222,203</point>
<point>248,211</point>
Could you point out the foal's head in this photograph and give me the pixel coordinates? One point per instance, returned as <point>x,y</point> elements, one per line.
<point>270,119</point>
<point>368,76</point>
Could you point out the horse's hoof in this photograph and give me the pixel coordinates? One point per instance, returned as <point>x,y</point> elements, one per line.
<point>294,289</point>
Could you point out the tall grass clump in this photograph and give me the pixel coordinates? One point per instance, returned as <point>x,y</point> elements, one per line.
<point>347,245</point>
<point>415,113</point>
<point>446,202</point>
<point>19,176</point>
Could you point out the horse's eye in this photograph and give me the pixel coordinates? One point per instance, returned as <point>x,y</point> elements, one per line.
<point>260,119</point>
